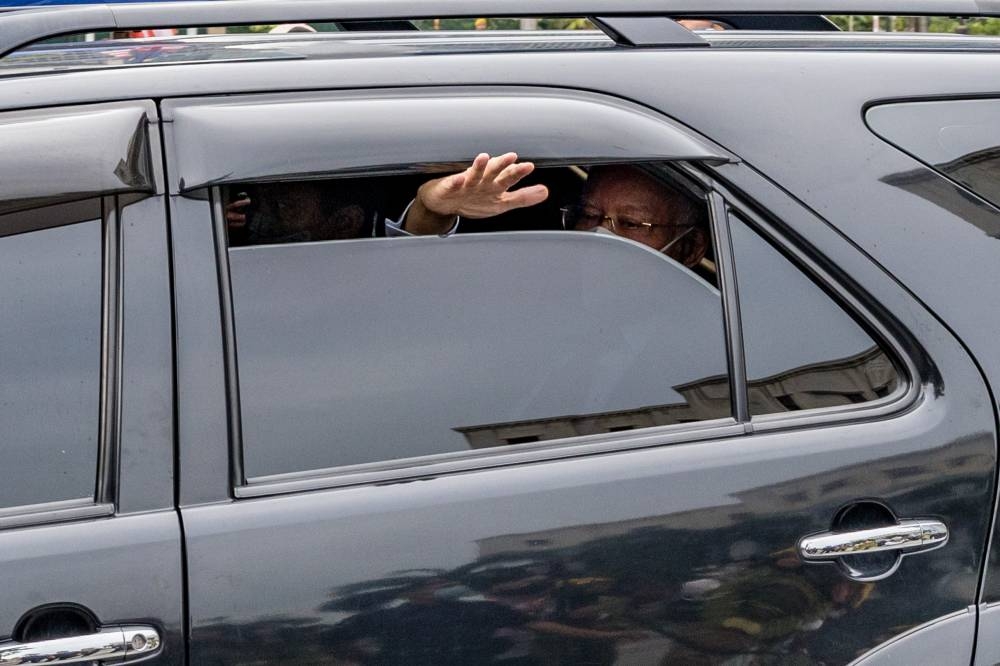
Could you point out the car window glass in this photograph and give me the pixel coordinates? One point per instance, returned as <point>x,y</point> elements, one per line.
<point>50,349</point>
<point>366,350</point>
<point>959,138</point>
<point>802,350</point>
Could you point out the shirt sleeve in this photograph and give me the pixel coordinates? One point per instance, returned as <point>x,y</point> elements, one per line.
<point>393,229</point>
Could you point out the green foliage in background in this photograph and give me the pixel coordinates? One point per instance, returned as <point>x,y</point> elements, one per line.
<point>942,24</point>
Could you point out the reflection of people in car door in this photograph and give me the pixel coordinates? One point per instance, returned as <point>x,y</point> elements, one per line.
<point>622,199</point>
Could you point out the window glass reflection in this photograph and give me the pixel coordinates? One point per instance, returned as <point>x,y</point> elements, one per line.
<point>50,343</point>
<point>802,350</point>
<point>366,349</point>
<point>959,138</point>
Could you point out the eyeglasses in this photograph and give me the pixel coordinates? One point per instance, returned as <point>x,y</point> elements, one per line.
<point>585,218</point>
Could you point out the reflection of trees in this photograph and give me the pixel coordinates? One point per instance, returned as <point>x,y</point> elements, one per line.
<point>862,377</point>
<point>715,584</point>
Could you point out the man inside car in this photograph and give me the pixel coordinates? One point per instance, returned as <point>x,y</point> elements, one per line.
<point>620,199</point>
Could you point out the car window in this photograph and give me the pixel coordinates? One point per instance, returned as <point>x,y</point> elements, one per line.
<point>959,138</point>
<point>50,355</point>
<point>260,213</point>
<point>361,350</point>
<point>802,350</point>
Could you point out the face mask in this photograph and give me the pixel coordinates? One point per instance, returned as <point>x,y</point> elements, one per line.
<point>671,243</point>
<point>607,232</point>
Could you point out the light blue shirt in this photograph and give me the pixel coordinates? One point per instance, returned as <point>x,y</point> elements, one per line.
<point>393,229</point>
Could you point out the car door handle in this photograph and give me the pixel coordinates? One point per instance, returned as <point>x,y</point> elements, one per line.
<point>907,535</point>
<point>119,643</point>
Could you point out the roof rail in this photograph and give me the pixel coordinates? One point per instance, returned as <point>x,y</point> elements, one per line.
<point>20,28</point>
<point>646,31</point>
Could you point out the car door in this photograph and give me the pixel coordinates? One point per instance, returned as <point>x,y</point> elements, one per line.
<point>545,446</point>
<point>960,164</point>
<point>89,537</point>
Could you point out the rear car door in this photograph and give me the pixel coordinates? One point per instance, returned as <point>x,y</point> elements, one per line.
<point>962,154</point>
<point>89,538</point>
<point>553,447</point>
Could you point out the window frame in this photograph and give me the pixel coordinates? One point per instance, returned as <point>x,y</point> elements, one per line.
<point>107,157</point>
<point>820,272</point>
<point>102,502</point>
<point>721,202</point>
<point>403,469</point>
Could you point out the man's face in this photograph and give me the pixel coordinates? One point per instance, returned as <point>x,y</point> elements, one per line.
<point>634,205</point>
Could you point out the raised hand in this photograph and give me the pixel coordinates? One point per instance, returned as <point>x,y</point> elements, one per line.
<point>482,190</point>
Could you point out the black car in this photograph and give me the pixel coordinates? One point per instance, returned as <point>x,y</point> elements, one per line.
<point>253,413</point>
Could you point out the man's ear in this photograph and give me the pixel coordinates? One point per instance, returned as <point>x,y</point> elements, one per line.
<point>694,247</point>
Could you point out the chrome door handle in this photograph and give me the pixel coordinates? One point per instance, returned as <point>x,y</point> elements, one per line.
<point>907,535</point>
<point>118,643</point>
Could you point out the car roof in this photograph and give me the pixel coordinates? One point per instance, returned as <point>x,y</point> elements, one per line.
<point>49,58</point>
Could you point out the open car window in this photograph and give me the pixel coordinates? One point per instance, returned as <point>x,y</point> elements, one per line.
<point>357,347</point>
<point>265,213</point>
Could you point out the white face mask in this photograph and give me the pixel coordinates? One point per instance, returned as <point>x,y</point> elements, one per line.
<point>604,231</point>
<point>607,232</point>
<point>671,243</point>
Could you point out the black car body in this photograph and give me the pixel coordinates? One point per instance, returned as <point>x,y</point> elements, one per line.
<point>511,446</point>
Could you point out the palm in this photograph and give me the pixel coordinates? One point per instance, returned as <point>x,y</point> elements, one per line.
<point>484,189</point>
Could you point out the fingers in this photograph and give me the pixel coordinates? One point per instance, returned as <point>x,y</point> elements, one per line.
<point>511,175</point>
<point>485,170</point>
<point>474,174</point>
<point>233,215</point>
<point>482,190</point>
<point>526,196</point>
<point>496,165</point>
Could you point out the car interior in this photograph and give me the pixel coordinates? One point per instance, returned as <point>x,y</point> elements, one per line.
<point>328,209</point>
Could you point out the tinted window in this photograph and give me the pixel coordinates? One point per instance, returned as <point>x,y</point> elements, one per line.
<point>370,350</point>
<point>960,138</point>
<point>802,350</point>
<point>50,349</point>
